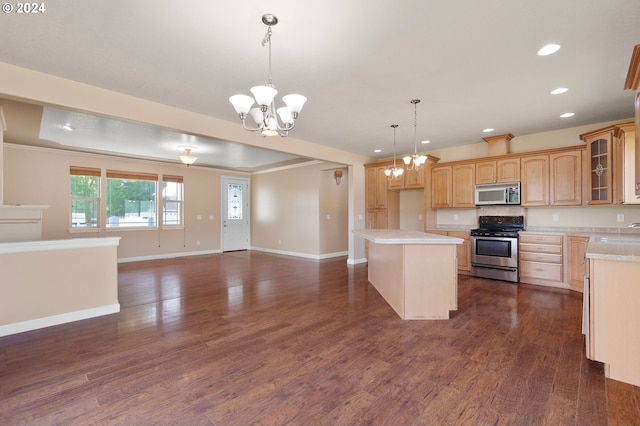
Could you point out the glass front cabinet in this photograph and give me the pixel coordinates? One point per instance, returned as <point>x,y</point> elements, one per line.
<point>604,182</point>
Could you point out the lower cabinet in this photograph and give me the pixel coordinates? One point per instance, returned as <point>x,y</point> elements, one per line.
<point>576,248</point>
<point>463,251</point>
<point>541,259</point>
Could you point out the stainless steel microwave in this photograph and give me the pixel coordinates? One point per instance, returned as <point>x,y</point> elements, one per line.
<point>498,193</point>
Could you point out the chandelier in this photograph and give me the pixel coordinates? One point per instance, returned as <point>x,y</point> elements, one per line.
<point>394,172</point>
<point>415,161</point>
<point>265,113</point>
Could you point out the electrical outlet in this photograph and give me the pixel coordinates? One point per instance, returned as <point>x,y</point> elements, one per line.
<point>620,217</point>
<point>556,217</point>
<point>198,242</point>
<point>455,217</point>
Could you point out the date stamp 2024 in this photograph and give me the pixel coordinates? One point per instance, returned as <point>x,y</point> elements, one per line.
<point>24,8</point>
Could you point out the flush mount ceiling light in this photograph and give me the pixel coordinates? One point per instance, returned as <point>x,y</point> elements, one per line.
<point>265,114</point>
<point>567,115</point>
<point>559,90</point>
<point>394,172</point>
<point>415,161</point>
<point>488,129</point>
<point>187,158</point>
<point>549,49</point>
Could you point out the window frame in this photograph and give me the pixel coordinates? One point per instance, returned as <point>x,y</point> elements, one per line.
<point>89,172</point>
<point>180,201</point>
<point>131,176</point>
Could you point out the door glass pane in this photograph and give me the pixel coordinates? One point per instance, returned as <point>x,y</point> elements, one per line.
<point>234,201</point>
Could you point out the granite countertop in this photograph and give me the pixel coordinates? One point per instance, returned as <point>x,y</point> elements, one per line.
<point>400,236</point>
<point>619,247</point>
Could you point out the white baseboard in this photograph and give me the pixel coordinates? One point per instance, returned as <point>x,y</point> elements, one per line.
<point>305,255</point>
<point>20,327</point>
<point>356,261</point>
<point>168,255</point>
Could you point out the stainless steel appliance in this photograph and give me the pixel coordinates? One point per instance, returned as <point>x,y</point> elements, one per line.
<point>494,247</point>
<point>497,193</point>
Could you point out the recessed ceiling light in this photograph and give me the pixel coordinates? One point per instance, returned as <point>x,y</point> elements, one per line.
<point>377,150</point>
<point>68,127</point>
<point>488,129</point>
<point>425,142</point>
<point>548,49</point>
<point>567,115</point>
<point>559,90</point>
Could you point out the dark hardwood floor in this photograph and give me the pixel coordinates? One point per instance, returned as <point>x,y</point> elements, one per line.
<point>254,338</point>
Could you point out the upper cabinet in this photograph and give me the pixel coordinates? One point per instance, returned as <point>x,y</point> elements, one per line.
<point>462,185</point>
<point>633,83</point>
<point>605,160</point>
<point>441,187</point>
<point>376,187</point>
<point>535,180</point>
<point>565,178</point>
<point>498,171</point>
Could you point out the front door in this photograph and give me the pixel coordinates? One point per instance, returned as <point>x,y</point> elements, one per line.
<point>235,214</point>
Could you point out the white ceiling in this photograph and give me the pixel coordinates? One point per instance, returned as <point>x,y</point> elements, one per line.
<point>472,63</point>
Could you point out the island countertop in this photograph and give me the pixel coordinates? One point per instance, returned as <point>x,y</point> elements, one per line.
<point>401,236</point>
<point>620,248</point>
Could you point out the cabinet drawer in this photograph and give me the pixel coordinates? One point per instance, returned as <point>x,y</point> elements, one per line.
<point>544,271</point>
<point>540,248</point>
<point>541,239</point>
<point>541,257</point>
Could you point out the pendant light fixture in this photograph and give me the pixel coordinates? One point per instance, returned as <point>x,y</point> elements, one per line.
<point>394,172</point>
<point>265,113</point>
<point>415,161</point>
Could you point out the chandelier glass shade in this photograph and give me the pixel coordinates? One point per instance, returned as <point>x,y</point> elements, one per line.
<point>187,158</point>
<point>266,114</point>
<point>394,172</point>
<point>414,161</point>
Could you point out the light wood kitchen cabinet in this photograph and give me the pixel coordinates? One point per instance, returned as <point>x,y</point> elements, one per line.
<point>498,171</point>
<point>441,187</point>
<point>463,187</point>
<point>534,171</point>
<point>576,248</point>
<point>485,172</point>
<point>508,170</point>
<point>382,205</point>
<point>414,179</point>
<point>633,83</point>
<point>463,251</point>
<point>541,259</point>
<point>565,178</point>
<point>604,152</point>
<point>376,187</point>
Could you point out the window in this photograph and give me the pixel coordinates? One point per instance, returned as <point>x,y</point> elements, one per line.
<point>171,200</point>
<point>85,197</point>
<point>131,199</point>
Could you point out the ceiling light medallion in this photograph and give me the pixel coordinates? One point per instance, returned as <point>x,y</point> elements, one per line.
<point>415,161</point>
<point>394,172</point>
<point>265,114</point>
<point>187,158</point>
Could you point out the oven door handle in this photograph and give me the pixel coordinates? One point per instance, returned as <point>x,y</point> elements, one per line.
<point>502,268</point>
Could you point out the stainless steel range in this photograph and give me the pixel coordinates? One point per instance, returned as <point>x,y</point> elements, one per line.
<point>494,247</point>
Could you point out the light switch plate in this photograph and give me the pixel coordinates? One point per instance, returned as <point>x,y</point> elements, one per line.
<point>620,217</point>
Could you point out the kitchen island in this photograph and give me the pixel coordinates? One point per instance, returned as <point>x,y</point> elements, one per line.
<point>415,272</point>
<point>611,315</point>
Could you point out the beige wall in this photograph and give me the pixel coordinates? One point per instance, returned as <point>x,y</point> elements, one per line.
<point>41,176</point>
<point>290,209</point>
<point>46,283</point>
